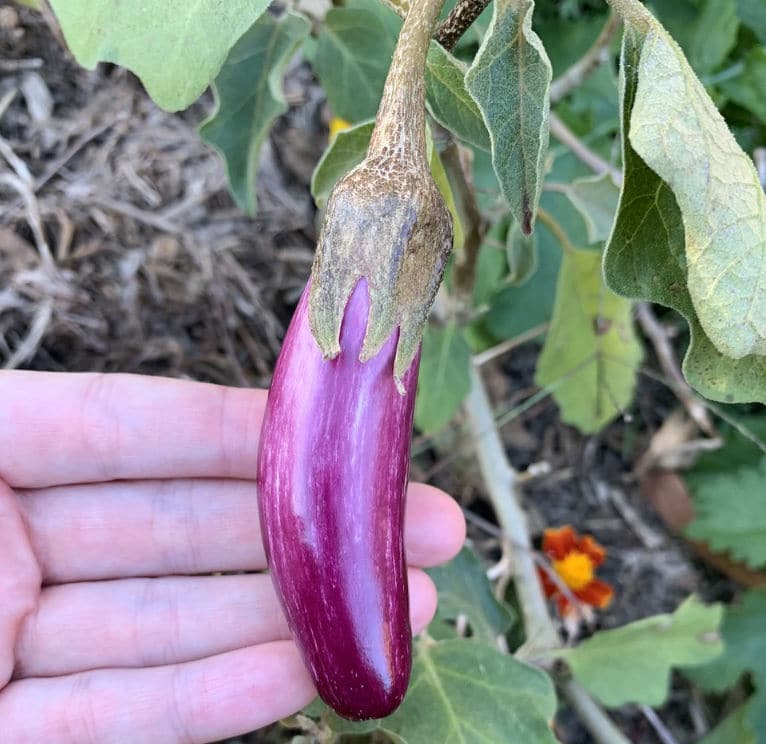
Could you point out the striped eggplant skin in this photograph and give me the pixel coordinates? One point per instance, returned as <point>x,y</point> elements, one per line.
<point>332,477</point>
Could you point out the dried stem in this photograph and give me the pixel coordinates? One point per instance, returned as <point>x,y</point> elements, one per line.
<point>458,21</point>
<point>666,355</point>
<point>570,140</point>
<point>587,64</point>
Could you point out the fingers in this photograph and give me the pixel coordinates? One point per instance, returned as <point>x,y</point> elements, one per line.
<point>157,622</point>
<point>19,579</point>
<point>156,528</point>
<point>81,428</point>
<point>200,701</point>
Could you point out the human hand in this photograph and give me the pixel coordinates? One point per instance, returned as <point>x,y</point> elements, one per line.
<point>116,491</point>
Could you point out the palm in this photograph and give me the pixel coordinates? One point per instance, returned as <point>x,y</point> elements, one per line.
<point>127,493</point>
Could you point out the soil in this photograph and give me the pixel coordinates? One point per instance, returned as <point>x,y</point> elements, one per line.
<point>122,250</point>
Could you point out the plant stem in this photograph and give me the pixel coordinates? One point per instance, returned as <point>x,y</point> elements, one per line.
<point>458,21</point>
<point>473,223</point>
<point>595,56</point>
<point>400,127</point>
<point>570,140</point>
<point>500,480</point>
<point>553,225</point>
<point>591,714</point>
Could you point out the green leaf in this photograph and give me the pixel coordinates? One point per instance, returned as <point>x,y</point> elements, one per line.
<point>491,264</point>
<point>521,251</point>
<point>448,100</point>
<point>249,97</point>
<point>745,651</point>
<point>645,258</point>
<point>442,183</point>
<point>347,150</point>
<point>352,58</point>
<point>733,730</point>
<point>596,199</point>
<point>748,89</point>
<point>591,353</point>
<point>730,512</point>
<point>739,449</point>
<point>632,664</point>
<point>465,590</point>
<point>753,14</point>
<point>175,47</point>
<point>444,378</point>
<point>714,34</point>
<point>510,81</point>
<point>678,133</point>
<point>463,691</point>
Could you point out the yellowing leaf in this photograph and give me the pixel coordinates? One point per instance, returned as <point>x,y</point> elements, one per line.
<point>591,353</point>
<point>632,664</point>
<point>249,98</point>
<point>510,81</point>
<point>175,47</point>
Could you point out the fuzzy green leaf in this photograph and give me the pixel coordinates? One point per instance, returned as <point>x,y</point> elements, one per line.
<point>249,97</point>
<point>175,47</point>
<point>714,34</point>
<point>734,729</point>
<point>444,378</point>
<point>591,353</point>
<point>646,257</point>
<point>730,512</point>
<point>510,81</point>
<point>465,590</point>
<point>677,131</point>
<point>596,199</point>
<point>462,692</point>
<point>347,150</point>
<point>352,58</point>
<point>632,664</point>
<point>521,252</point>
<point>448,100</point>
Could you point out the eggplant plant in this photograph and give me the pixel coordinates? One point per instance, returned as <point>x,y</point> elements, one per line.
<point>547,180</point>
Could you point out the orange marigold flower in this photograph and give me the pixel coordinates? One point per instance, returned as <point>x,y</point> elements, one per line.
<point>337,125</point>
<point>575,559</point>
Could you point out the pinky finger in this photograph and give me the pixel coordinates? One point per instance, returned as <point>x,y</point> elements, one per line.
<point>196,702</point>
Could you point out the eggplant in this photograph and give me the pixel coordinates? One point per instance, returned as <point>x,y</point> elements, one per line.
<point>335,444</point>
<point>332,477</point>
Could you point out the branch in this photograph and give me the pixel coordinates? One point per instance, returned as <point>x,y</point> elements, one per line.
<point>587,64</point>
<point>458,21</point>
<point>500,480</point>
<point>474,225</point>
<point>590,713</point>
<point>666,355</point>
<point>570,140</point>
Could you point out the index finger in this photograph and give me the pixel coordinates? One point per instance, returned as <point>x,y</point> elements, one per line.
<point>61,428</point>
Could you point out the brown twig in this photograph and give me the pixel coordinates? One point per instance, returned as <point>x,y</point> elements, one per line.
<point>458,21</point>
<point>587,64</point>
<point>666,355</point>
<point>570,140</point>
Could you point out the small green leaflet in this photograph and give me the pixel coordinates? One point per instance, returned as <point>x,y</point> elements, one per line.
<point>591,353</point>
<point>521,254</point>
<point>465,590</point>
<point>748,88</point>
<point>510,81</point>
<point>645,258</point>
<point>730,509</point>
<point>249,97</point>
<point>352,58</point>
<point>444,379</point>
<point>346,151</point>
<point>462,692</point>
<point>745,651</point>
<point>596,199</point>
<point>448,100</point>
<point>632,664</point>
<point>175,47</point>
<point>714,34</point>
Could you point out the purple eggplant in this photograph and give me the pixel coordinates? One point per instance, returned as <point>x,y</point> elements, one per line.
<point>332,476</point>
